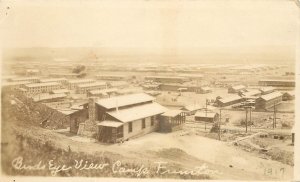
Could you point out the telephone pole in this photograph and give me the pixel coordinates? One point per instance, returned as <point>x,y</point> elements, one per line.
<point>274,117</point>
<point>219,132</point>
<point>205,114</point>
<point>246,119</point>
<point>250,117</point>
<point>247,109</point>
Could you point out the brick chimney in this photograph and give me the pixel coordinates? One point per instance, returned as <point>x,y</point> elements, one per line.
<point>89,128</point>
<point>91,122</point>
<point>92,109</point>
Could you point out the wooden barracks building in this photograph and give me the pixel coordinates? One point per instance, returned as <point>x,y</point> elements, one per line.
<point>119,118</point>
<point>35,88</point>
<point>267,101</point>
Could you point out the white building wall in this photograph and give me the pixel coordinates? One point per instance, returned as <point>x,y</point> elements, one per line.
<point>137,128</point>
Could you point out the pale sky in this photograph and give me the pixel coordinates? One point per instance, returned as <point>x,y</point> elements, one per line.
<point>180,25</point>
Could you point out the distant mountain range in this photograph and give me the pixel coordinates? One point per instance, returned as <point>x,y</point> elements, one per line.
<point>220,55</point>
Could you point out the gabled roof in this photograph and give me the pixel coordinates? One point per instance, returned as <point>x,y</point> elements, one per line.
<point>192,75</point>
<point>205,88</point>
<point>129,91</point>
<point>290,93</point>
<point>42,84</point>
<point>164,77</point>
<point>80,80</point>
<point>151,85</point>
<point>192,107</point>
<point>137,112</point>
<point>94,84</point>
<point>108,123</point>
<point>107,75</point>
<point>266,89</point>
<point>15,83</point>
<point>172,113</point>
<point>22,89</point>
<point>67,111</point>
<point>103,91</point>
<point>251,93</point>
<point>42,97</point>
<point>124,100</point>
<point>209,108</point>
<point>230,98</point>
<point>58,91</point>
<point>271,96</point>
<point>203,114</point>
<point>52,79</point>
<point>274,80</point>
<point>118,83</point>
<point>238,87</point>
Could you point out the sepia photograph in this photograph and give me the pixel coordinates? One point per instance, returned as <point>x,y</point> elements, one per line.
<point>149,89</point>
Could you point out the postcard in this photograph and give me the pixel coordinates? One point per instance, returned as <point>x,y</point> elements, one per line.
<point>155,90</point>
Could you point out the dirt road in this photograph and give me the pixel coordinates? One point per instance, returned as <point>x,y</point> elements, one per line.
<point>212,151</point>
<point>233,162</point>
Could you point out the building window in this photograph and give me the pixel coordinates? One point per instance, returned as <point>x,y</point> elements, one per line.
<point>143,123</point>
<point>129,127</point>
<point>152,120</point>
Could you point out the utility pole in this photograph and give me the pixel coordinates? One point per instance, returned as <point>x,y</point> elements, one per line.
<point>219,132</point>
<point>274,117</point>
<point>246,119</point>
<point>205,114</point>
<point>250,117</point>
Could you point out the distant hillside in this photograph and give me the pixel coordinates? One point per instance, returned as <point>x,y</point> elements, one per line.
<point>220,55</point>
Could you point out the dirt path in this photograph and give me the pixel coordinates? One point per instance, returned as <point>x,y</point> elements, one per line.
<point>210,150</point>
<point>233,162</point>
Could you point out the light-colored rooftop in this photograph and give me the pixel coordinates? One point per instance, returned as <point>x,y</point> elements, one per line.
<point>103,91</point>
<point>165,77</point>
<point>52,79</point>
<point>94,84</point>
<point>172,113</point>
<point>67,111</point>
<point>118,83</point>
<point>112,76</point>
<point>15,83</point>
<point>230,98</point>
<point>192,107</point>
<point>129,91</point>
<point>33,70</point>
<point>137,112</point>
<point>42,97</point>
<point>276,80</point>
<point>191,75</point>
<point>23,89</point>
<point>205,88</point>
<point>238,87</point>
<point>251,93</point>
<point>291,93</point>
<point>203,114</point>
<point>58,91</point>
<point>108,123</point>
<point>42,84</point>
<point>65,74</point>
<point>267,89</point>
<point>124,100</point>
<point>80,80</point>
<point>271,96</point>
